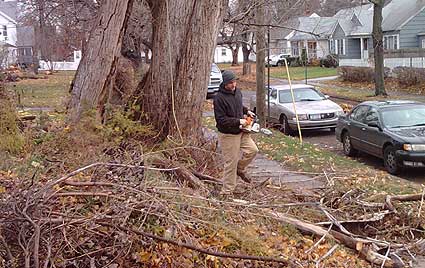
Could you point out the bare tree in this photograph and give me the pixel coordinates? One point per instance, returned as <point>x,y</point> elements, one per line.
<point>261,46</point>
<point>378,47</point>
<point>184,37</point>
<point>95,76</point>
<point>61,26</point>
<point>172,93</point>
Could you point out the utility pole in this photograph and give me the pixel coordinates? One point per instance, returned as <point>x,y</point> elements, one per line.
<point>260,69</point>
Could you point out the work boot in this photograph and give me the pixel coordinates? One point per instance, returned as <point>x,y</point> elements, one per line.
<point>244,177</point>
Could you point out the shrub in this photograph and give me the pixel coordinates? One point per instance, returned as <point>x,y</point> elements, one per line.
<point>11,138</point>
<point>360,74</point>
<point>408,76</point>
<point>295,62</point>
<point>314,62</point>
<point>330,61</point>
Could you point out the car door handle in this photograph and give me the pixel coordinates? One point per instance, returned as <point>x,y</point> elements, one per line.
<point>363,128</point>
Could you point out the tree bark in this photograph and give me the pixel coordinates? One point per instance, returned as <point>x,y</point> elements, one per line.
<point>184,37</point>
<point>261,46</point>
<point>235,54</point>
<point>378,47</point>
<point>95,76</point>
<point>246,52</point>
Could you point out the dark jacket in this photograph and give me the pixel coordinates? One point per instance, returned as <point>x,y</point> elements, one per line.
<point>228,109</point>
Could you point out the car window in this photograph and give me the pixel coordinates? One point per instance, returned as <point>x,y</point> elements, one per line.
<point>214,68</point>
<point>397,117</point>
<point>372,116</point>
<point>300,94</point>
<point>273,94</point>
<point>359,113</point>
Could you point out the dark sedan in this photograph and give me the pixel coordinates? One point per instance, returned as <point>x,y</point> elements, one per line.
<point>391,130</point>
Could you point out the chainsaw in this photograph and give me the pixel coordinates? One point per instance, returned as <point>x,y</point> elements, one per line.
<point>253,126</point>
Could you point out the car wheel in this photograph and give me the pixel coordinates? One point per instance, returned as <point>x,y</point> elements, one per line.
<point>284,125</point>
<point>280,63</point>
<point>390,160</point>
<point>347,146</point>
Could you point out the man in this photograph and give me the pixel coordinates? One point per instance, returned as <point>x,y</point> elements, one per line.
<point>230,116</point>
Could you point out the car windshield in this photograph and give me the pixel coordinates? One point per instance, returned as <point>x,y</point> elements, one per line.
<point>214,68</point>
<point>404,117</point>
<point>300,94</point>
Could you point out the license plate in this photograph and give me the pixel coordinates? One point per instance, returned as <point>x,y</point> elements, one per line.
<point>315,116</point>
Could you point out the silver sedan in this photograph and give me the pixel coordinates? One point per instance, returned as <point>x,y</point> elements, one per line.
<point>315,110</point>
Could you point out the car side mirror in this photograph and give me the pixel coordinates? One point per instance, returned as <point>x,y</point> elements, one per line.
<point>327,97</point>
<point>375,125</point>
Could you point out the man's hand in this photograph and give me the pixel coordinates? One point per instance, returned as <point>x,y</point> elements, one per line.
<point>243,122</point>
<point>251,114</point>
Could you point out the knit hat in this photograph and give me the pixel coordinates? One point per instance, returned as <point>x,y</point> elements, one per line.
<point>228,76</point>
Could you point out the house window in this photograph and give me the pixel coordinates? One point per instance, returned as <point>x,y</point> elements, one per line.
<point>4,31</point>
<point>340,47</point>
<point>295,49</point>
<point>27,51</point>
<point>223,52</point>
<point>332,46</point>
<point>423,43</point>
<point>391,42</point>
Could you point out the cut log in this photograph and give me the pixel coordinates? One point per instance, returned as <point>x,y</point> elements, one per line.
<point>365,248</point>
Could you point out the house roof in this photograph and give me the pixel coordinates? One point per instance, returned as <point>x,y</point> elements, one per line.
<point>398,12</point>
<point>277,33</point>
<point>313,28</point>
<point>10,8</point>
<point>25,36</point>
<point>395,14</point>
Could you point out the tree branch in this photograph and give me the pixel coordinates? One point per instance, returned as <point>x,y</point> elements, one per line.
<point>285,260</point>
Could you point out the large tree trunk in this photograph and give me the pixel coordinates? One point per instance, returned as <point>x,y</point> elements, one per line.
<point>246,52</point>
<point>95,76</point>
<point>235,54</point>
<point>378,47</point>
<point>184,37</point>
<point>261,46</point>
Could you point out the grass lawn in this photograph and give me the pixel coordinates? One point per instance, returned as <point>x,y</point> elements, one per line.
<point>50,92</point>
<point>298,73</point>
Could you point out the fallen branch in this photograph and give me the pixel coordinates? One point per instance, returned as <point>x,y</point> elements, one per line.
<point>286,260</point>
<point>207,178</point>
<point>75,172</point>
<point>367,218</point>
<point>403,198</point>
<point>181,173</point>
<point>364,247</point>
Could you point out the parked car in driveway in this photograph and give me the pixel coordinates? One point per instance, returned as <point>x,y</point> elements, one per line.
<point>215,81</point>
<point>277,60</point>
<point>315,110</point>
<point>391,130</point>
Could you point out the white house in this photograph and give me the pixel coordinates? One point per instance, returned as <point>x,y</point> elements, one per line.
<point>8,31</point>
<point>223,54</point>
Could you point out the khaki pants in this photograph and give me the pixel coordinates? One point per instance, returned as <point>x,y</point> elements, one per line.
<point>231,146</point>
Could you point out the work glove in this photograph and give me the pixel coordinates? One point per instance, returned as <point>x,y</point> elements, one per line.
<point>251,114</point>
<point>243,122</point>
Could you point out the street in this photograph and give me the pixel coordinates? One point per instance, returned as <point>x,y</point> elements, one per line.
<point>326,140</point>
